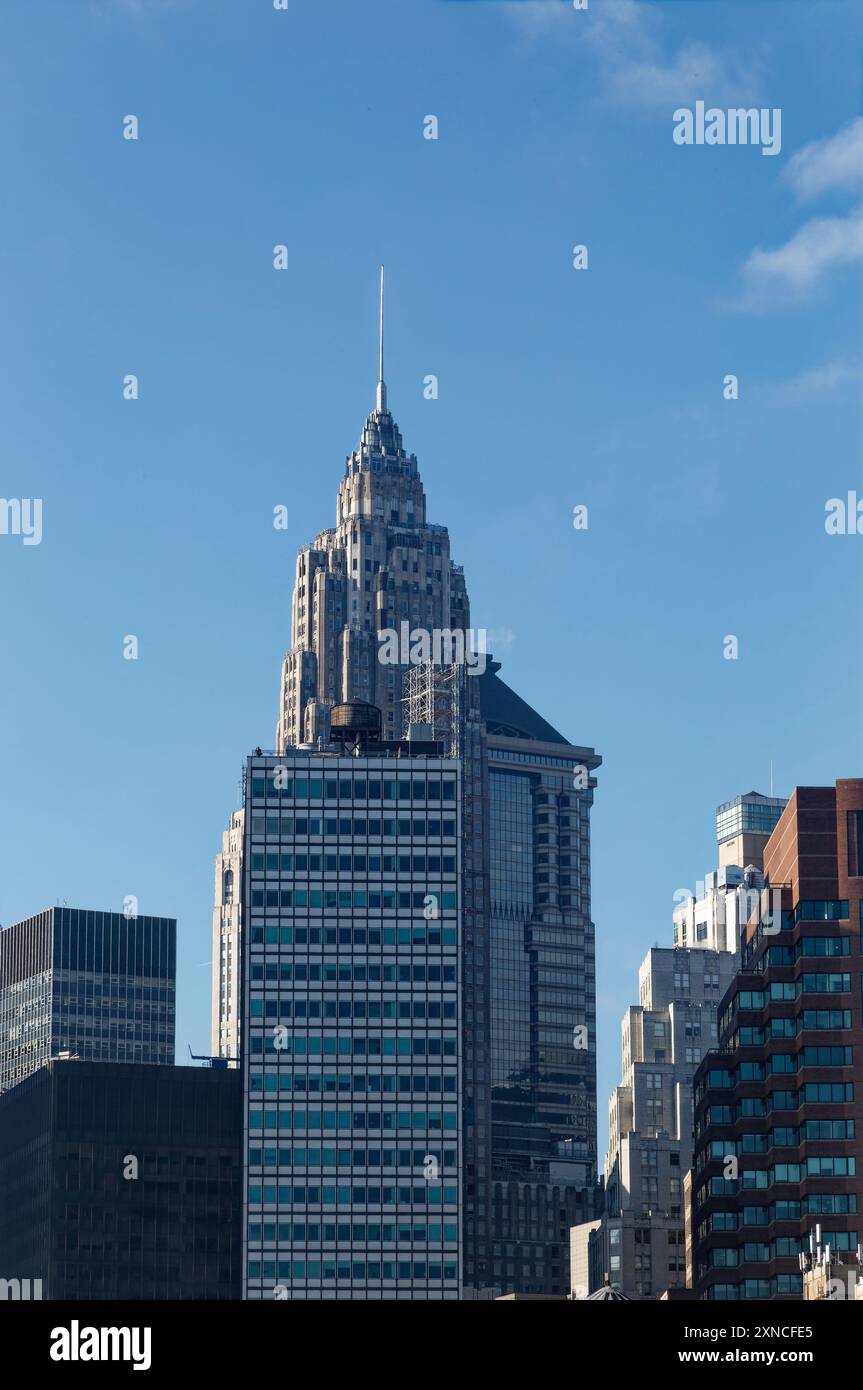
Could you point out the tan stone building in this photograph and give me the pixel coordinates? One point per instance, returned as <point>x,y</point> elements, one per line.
<point>227,912</point>
<point>381,565</point>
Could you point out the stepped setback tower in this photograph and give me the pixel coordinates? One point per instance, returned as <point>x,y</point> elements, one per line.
<point>382,564</point>
<point>413,931</point>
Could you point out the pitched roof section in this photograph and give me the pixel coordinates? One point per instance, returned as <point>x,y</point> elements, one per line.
<point>608,1294</point>
<point>508,714</point>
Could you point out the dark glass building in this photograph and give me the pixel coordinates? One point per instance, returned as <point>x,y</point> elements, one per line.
<point>94,985</point>
<point>122,1182</point>
<point>541,1009</point>
<point>779,1106</point>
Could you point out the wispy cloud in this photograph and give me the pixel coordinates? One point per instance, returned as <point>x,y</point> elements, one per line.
<point>825,165</point>
<point>803,262</point>
<point>816,383</point>
<point>635,66</point>
<point>694,71</point>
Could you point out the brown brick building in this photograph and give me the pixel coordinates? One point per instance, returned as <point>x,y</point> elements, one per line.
<point>779,1106</point>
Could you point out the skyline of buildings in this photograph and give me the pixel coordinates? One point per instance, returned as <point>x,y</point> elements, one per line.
<point>452,1051</point>
<point>403,968</point>
<point>526,959</point>
<point>779,1109</point>
<point>639,1243</point>
<point>604,489</point>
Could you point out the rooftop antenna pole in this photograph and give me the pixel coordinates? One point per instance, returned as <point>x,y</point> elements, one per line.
<point>381,372</point>
<point>382,390</point>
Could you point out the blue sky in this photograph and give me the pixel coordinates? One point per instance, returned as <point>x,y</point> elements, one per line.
<point>557,387</point>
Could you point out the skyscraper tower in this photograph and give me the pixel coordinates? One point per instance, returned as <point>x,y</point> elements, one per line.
<point>382,564</point>
<point>524,1146</point>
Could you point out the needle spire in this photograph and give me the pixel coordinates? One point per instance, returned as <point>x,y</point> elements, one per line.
<point>382,390</point>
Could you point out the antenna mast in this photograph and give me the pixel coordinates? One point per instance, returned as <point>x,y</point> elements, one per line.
<point>382,390</point>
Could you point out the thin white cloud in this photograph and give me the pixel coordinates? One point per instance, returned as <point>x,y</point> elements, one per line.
<point>817,382</point>
<point>802,263</point>
<point>634,66</point>
<point>834,163</point>
<point>696,71</point>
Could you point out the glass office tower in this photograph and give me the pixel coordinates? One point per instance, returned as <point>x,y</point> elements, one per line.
<point>542,978</point>
<point>351,1026</point>
<point>95,985</point>
<point>541,1011</point>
